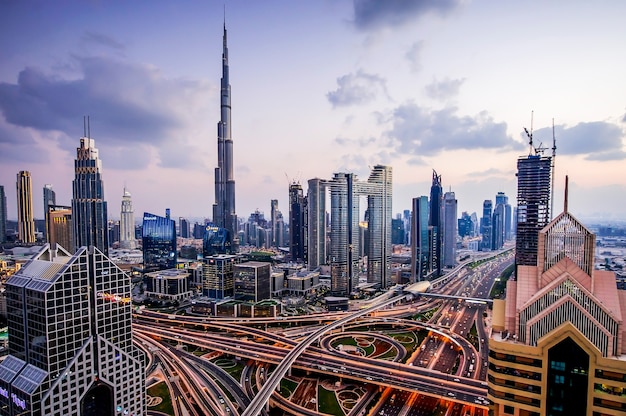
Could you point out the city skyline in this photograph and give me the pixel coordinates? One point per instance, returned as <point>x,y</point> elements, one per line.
<point>318,88</point>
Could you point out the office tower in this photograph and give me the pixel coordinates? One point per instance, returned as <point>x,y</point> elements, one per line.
<point>59,226</point>
<point>406,218</point>
<point>501,198</point>
<point>296,222</point>
<point>25,220</point>
<point>316,203</point>
<point>218,275</point>
<point>466,226</point>
<point>159,242</point>
<point>224,215</point>
<point>127,222</point>
<point>183,227</point>
<point>49,198</point>
<point>379,196</point>
<point>420,241</point>
<point>486,226</point>
<point>497,227</point>
<point>113,228</point>
<point>435,221</point>
<point>89,209</point>
<point>397,230</point>
<point>274,221</point>
<point>252,281</point>
<point>198,231</point>
<point>533,205</point>
<point>71,348</point>
<point>280,230</point>
<point>557,345</point>
<point>3,215</point>
<point>450,229</point>
<point>344,231</point>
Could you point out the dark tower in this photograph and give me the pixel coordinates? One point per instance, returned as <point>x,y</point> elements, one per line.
<point>297,219</point>
<point>436,198</point>
<point>224,215</point>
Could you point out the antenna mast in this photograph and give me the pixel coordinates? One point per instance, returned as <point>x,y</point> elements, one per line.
<point>553,172</point>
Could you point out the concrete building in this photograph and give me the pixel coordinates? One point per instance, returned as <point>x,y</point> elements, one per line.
<point>303,283</point>
<point>71,348</point>
<point>170,284</point>
<point>127,222</point>
<point>59,226</point>
<point>559,342</point>
<point>218,276</point>
<point>25,219</point>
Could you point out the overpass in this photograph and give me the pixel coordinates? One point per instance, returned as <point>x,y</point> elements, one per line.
<point>262,398</point>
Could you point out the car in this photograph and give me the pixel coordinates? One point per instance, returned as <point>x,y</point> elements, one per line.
<point>457,380</point>
<point>222,401</point>
<point>451,394</point>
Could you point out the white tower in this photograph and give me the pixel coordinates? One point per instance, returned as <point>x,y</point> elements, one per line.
<point>127,222</point>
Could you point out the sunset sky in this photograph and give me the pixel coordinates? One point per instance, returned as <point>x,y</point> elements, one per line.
<point>318,87</point>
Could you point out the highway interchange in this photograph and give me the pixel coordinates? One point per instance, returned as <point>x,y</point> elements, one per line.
<point>439,371</point>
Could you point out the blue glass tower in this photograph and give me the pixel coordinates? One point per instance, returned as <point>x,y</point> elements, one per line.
<point>159,242</point>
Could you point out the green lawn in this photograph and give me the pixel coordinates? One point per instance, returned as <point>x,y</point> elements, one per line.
<point>161,390</point>
<point>328,402</point>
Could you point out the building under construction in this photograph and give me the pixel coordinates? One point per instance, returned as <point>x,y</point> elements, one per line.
<point>534,174</point>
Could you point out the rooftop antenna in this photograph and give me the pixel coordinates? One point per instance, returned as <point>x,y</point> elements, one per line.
<point>84,126</point>
<point>88,128</point>
<point>566,193</point>
<point>553,172</point>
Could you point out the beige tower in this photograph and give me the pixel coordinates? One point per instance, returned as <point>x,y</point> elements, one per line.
<point>25,220</point>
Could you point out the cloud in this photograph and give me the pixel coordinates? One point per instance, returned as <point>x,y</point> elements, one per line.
<point>357,88</point>
<point>489,173</point>
<point>376,14</point>
<point>420,132</point>
<point>443,90</point>
<point>361,142</point>
<point>144,109</point>
<point>414,56</point>
<point>598,140</point>
<point>101,39</point>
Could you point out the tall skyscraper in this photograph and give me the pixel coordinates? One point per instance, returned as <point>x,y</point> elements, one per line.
<point>533,205</point>
<point>224,215</point>
<point>71,348</point>
<point>450,229</point>
<point>3,215</point>
<point>379,196</point>
<point>183,227</point>
<point>344,225</point>
<point>127,222</point>
<point>25,220</point>
<point>435,221</point>
<point>486,226</point>
<point>316,203</point>
<point>297,221</point>
<point>158,242</point>
<point>557,345</point>
<point>420,242</point>
<point>274,221</point>
<point>89,209</point>
<point>49,198</point>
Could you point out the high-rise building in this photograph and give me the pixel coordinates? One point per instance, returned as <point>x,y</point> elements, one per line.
<point>159,242</point>
<point>316,203</point>
<point>89,209</point>
<point>183,227</point>
<point>274,221</point>
<point>297,222</point>
<point>49,198</point>
<point>420,241</point>
<point>71,348</point>
<point>127,222</point>
<point>497,227</point>
<point>397,230</point>
<point>252,281</point>
<point>25,220</point>
<point>218,281</point>
<point>450,229</point>
<point>224,215</point>
<point>435,221</point>
<point>378,250</point>
<point>557,345</point>
<point>3,215</point>
<point>344,225</point>
<point>533,205</point>
<point>486,226</point>
<point>59,226</point>
<point>466,226</point>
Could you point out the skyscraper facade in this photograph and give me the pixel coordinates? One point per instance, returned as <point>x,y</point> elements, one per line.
<point>224,215</point>
<point>450,229</point>
<point>379,196</point>
<point>274,221</point>
<point>127,222</point>
<point>435,221</point>
<point>89,209</point>
<point>183,227</point>
<point>557,346</point>
<point>3,215</point>
<point>25,219</point>
<point>486,226</point>
<point>297,222</point>
<point>218,276</point>
<point>59,226</point>
<point>252,281</point>
<point>316,203</point>
<point>71,348</point>
<point>420,241</point>
<point>533,205</point>
<point>344,232</point>
<point>49,198</point>
<point>159,242</point>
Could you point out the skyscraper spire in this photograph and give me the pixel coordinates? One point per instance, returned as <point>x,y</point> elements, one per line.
<point>224,215</point>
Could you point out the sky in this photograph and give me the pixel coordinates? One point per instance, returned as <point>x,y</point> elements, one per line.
<point>318,87</point>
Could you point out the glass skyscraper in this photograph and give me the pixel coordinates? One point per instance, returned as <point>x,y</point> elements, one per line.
<point>450,229</point>
<point>89,209</point>
<point>159,242</point>
<point>49,198</point>
<point>297,222</point>
<point>420,240</point>
<point>435,221</point>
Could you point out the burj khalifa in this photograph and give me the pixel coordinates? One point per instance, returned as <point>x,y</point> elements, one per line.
<point>224,215</point>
